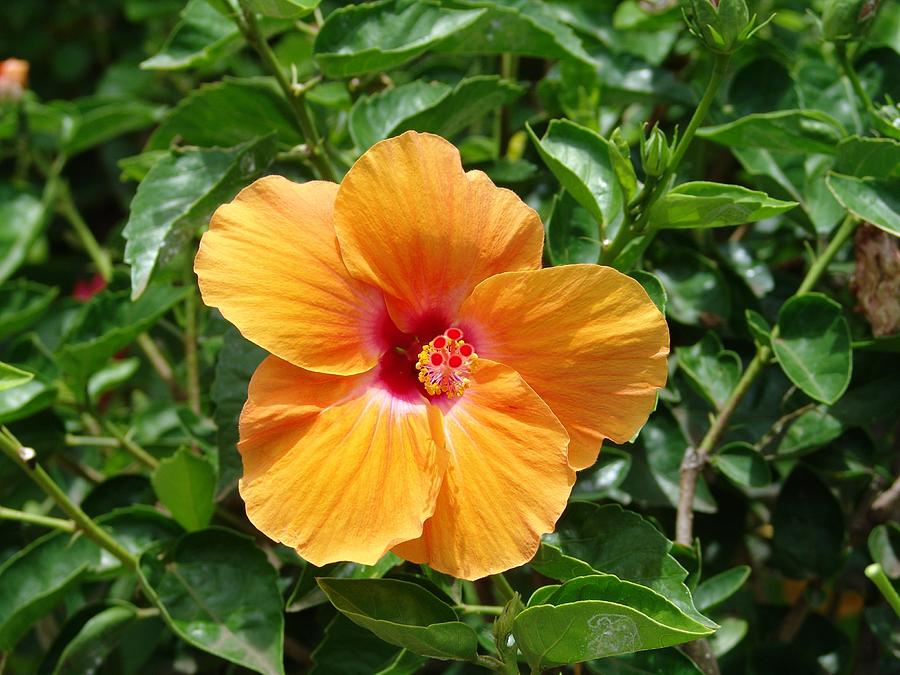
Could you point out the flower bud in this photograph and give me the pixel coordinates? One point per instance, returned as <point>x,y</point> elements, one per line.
<point>723,25</point>
<point>13,79</point>
<point>848,19</point>
<point>655,153</point>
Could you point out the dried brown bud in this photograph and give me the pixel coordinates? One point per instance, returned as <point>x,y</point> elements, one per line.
<point>876,280</point>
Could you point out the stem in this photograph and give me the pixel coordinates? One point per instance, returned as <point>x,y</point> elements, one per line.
<point>847,66</point>
<point>695,459</point>
<point>15,451</point>
<point>502,588</point>
<point>884,502</point>
<point>67,208</point>
<point>130,446</point>
<point>35,519</point>
<point>157,360</point>
<point>297,100</point>
<point>656,189</point>
<point>190,352</point>
<point>492,610</point>
<point>95,441</point>
<point>879,578</point>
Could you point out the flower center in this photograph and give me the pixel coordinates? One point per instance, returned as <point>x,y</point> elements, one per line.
<point>446,363</point>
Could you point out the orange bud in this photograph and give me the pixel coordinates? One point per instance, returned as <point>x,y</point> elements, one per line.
<point>13,78</point>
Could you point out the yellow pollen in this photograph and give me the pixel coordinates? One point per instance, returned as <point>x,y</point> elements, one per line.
<point>446,364</point>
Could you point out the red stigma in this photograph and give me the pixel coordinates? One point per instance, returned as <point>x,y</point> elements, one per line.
<point>436,359</point>
<point>439,342</point>
<point>455,361</point>
<point>453,334</point>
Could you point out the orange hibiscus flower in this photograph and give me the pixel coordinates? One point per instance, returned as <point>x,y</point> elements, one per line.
<point>431,389</point>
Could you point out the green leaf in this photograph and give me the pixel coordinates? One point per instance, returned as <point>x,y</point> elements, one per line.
<point>109,322</point>
<point>719,588</point>
<point>137,528</point>
<point>868,157</point>
<point>404,614</point>
<point>696,290</point>
<point>605,475</point>
<point>201,37</point>
<point>96,639</point>
<point>138,166</point>
<point>226,114</point>
<point>884,547</point>
<point>596,616</point>
<point>374,36</point>
<point>378,116</point>
<point>607,539</point>
<point>217,591</point>
<point>759,328</point>
<point>713,370</point>
<point>743,464</point>
<point>97,119</point>
<point>185,484</point>
<point>810,131</point>
<point>809,432</point>
<point>179,194</point>
<point>370,654</point>
<point>572,235</point>
<point>875,201</point>
<point>23,303</point>
<point>22,218</point>
<point>307,593</point>
<point>813,346</point>
<point>283,9</point>
<point>26,399</point>
<point>579,158</point>
<point>728,636</point>
<point>653,286</point>
<point>112,376</point>
<point>655,662</point>
<point>10,376</point>
<point>237,360</point>
<point>34,580</point>
<point>526,27</point>
<point>703,204</point>
<point>809,527</point>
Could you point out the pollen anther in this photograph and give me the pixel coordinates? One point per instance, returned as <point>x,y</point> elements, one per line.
<point>446,364</point>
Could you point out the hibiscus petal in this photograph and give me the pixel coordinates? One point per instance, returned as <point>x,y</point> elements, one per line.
<point>507,479</point>
<point>270,263</point>
<point>336,467</point>
<point>587,339</point>
<point>410,221</point>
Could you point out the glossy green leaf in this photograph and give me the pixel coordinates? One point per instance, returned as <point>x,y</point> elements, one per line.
<point>22,218</point>
<point>719,588</point>
<point>98,119</point>
<point>653,662</point>
<point>743,464</point>
<point>96,639</point>
<point>653,286</point>
<point>526,27</point>
<point>179,194</point>
<point>26,399</point>
<point>591,538</point>
<point>579,158</point>
<point>218,592</point>
<point>370,654</point>
<point>226,114</point>
<point>759,328</point>
<point>875,201</point>
<point>702,204</point>
<point>307,593</point>
<point>404,614</point>
<point>185,483</point>
<point>109,322</point>
<point>809,431</point>
<point>813,346</point>
<point>113,375</point>
<point>781,131</point>
<point>729,635</point>
<point>283,9</point>
<point>377,116</point>
<point>696,290</point>
<point>33,580</point>
<point>596,616</point>
<point>375,36</point>
<point>238,359</point>
<point>572,235</point>
<point>605,475</point>
<point>868,157</point>
<point>746,262</point>
<point>137,528</point>
<point>809,527</point>
<point>10,376</point>
<point>884,547</point>
<point>23,304</point>
<point>203,36</point>
<point>713,370</point>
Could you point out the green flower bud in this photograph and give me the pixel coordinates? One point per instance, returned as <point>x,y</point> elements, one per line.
<point>655,153</point>
<point>848,19</point>
<point>723,25</point>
